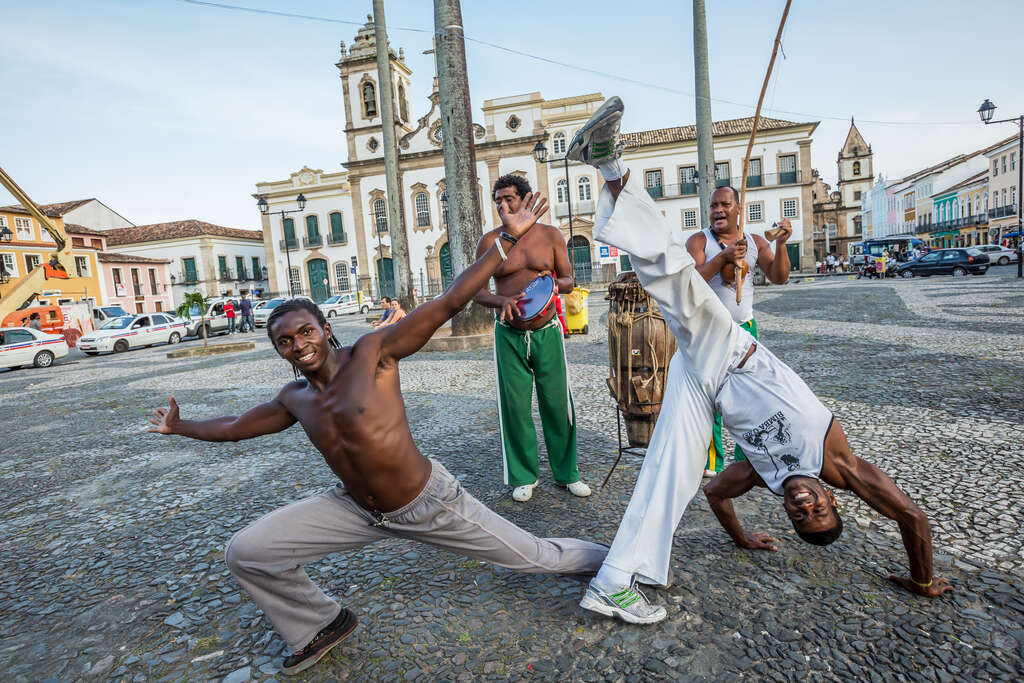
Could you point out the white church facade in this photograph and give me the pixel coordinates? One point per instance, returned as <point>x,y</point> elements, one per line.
<point>341,240</point>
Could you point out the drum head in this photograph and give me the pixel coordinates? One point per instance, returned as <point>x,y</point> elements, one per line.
<point>537,296</point>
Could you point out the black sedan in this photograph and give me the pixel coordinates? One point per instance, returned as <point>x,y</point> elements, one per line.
<point>960,261</point>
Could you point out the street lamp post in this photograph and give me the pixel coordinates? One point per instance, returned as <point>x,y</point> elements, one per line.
<point>985,111</point>
<point>540,153</point>
<point>261,202</point>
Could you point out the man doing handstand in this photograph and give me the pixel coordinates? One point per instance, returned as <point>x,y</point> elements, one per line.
<point>785,431</point>
<point>349,402</point>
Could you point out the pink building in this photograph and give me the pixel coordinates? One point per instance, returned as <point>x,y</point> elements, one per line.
<point>139,284</point>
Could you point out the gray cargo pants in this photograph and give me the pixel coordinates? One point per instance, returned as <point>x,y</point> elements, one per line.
<point>267,557</point>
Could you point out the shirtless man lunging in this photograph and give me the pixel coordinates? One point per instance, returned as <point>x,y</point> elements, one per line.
<point>529,351</point>
<point>349,402</point>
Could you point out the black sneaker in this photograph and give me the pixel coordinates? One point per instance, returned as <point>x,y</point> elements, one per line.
<point>332,634</point>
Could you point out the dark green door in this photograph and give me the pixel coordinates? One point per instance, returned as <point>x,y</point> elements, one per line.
<point>317,270</point>
<point>386,277</point>
<point>579,255</point>
<point>794,256</point>
<point>445,258</point>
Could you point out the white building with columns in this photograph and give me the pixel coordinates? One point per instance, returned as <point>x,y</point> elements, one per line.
<point>342,236</point>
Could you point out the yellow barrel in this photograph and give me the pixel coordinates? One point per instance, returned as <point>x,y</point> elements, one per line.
<point>577,311</point>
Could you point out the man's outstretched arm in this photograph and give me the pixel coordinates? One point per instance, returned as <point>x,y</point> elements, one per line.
<point>733,482</point>
<point>410,334</point>
<point>875,488</point>
<point>267,418</point>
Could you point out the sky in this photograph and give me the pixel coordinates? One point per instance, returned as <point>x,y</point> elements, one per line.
<point>167,110</point>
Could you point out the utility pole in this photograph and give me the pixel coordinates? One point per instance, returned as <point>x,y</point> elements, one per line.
<point>705,144</point>
<point>464,225</point>
<point>396,217</point>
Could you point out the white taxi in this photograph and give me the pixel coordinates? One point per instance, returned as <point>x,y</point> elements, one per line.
<point>349,302</point>
<point>130,331</point>
<point>26,346</point>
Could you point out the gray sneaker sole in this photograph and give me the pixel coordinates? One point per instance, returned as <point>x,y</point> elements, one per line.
<point>600,607</point>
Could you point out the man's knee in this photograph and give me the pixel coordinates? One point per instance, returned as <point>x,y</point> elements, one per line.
<point>244,550</point>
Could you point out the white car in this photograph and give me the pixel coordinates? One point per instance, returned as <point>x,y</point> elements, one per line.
<point>998,255</point>
<point>349,302</point>
<point>132,331</point>
<point>26,346</point>
<point>260,315</point>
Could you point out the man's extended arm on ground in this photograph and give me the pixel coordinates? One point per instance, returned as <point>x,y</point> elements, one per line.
<point>733,482</point>
<point>415,329</point>
<point>776,266</point>
<point>875,488</point>
<point>266,418</point>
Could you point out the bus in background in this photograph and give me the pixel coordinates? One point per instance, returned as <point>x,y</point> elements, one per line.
<point>877,247</point>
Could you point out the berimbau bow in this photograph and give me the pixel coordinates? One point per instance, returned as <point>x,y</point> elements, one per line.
<point>740,269</point>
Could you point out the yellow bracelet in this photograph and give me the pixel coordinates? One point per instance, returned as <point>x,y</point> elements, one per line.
<point>922,585</point>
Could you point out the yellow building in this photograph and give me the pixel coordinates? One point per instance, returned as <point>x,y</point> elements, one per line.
<point>25,246</point>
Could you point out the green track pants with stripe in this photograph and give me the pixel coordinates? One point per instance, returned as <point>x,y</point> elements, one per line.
<point>715,453</point>
<point>522,359</point>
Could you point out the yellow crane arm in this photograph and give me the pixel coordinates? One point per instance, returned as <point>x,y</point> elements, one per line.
<point>32,208</point>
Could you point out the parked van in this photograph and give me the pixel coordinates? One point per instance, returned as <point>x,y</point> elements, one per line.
<point>349,302</point>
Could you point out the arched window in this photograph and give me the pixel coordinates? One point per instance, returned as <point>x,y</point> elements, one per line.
<point>558,144</point>
<point>422,203</point>
<point>289,232</point>
<point>369,100</point>
<point>562,189</point>
<point>296,281</point>
<point>584,189</point>
<point>337,229</point>
<point>856,168</point>
<point>341,276</point>
<point>403,107</point>
<point>984,201</point>
<point>380,215</point>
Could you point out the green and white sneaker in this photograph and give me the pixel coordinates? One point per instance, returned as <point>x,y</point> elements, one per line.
<point>595,143</point>
<point>626,603</point>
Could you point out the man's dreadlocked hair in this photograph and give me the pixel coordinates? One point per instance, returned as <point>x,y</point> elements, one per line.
<point>823,537</point>
<point>299,305</point>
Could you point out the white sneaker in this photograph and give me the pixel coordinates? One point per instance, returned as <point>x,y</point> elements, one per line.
<point>522,494</point>
<point>627,603</point>
<point>578,488</point>
<point>595,143</point>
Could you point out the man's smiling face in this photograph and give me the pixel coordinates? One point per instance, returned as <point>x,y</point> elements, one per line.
<point>809,505</point>
<point>299,339</point>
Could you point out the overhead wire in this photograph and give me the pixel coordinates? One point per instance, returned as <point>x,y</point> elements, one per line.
<point>555,62</point>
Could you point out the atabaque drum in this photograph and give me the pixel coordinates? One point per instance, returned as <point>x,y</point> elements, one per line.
<point>537,296</point>
<point>640,346</point>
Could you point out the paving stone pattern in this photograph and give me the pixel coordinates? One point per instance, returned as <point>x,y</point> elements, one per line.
<point>112,539</point>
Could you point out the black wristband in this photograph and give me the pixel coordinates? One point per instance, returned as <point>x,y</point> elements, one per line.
<point>510,238</point>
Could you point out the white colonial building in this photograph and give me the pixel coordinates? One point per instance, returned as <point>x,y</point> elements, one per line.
<point>341,240</point>
<point>212,259</point>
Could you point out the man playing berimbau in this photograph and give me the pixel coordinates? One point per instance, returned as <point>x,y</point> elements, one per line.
<point>349,402</point>
<point>791,440</point>
<point>528,352</point>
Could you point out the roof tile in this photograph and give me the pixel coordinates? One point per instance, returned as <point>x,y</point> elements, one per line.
<point>176,230</point>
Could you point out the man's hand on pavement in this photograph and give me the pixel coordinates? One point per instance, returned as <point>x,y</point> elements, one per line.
<point>937,587</point>
<point>760,542</point>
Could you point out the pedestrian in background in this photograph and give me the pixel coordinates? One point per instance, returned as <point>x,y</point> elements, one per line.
<point>35,322</point>
<point>385,305</point>
<point>229,313</point>
<point>248,324</point>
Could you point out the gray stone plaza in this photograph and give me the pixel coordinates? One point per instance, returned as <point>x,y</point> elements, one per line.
<point>112,538</point>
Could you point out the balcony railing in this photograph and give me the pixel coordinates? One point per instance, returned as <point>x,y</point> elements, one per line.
<point>310,242</point>
<point>953,224</point>
<point>137,288</point>
<point>579,208</point>
<point>763,181</point>
<point>1002,211</point>
<point>225,274</point>
<point>337,239</point>
<point>241,275</point>
<point>292,244</point>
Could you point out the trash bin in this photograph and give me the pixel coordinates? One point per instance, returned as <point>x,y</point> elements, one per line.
<point>577,311</point>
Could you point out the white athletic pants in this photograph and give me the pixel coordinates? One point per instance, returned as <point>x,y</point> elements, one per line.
<point>710,343</point>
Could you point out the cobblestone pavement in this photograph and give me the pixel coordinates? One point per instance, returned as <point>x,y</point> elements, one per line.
<point>112,539</point>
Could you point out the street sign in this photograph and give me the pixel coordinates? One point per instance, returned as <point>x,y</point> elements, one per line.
<point>325,281</point>
<point>605,253</point>
<point>353,270</point>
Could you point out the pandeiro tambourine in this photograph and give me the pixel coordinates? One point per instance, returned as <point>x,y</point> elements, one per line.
<point>537,296</point>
